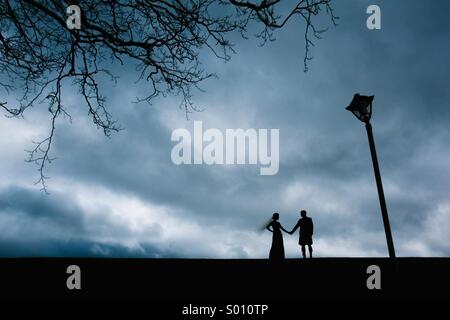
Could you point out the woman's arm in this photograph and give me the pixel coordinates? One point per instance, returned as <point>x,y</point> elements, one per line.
<point>284,229</point>
<point>269,225</point>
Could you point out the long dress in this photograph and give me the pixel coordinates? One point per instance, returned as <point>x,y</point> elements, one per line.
<point>277,249</point>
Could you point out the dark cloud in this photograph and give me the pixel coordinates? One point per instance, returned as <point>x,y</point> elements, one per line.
<point>78,248</point>
<point>57,210</point>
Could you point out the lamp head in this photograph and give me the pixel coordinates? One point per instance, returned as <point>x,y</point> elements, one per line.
<point>361,107</point>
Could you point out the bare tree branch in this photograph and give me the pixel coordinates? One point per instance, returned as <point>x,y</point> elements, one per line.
<point>39,55</point>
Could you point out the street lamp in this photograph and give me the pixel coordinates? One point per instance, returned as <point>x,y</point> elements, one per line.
<point>361,107</point>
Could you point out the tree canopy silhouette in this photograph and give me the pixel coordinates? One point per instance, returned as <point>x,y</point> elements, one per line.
<point>161,39</point>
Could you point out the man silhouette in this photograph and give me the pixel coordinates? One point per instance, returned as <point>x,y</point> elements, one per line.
<point>306,231</point>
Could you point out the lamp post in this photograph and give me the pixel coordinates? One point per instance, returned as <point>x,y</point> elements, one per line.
<point>361,107</point>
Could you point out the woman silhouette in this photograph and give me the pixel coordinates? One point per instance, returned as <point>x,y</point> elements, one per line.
<point>277,249</point>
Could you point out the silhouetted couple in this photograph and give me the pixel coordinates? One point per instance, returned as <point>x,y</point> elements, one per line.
<point>305,239</point>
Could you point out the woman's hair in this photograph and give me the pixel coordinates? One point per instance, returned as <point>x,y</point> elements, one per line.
<point>275,216</point>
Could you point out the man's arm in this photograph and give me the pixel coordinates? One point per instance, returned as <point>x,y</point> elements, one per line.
<point>295,228</point>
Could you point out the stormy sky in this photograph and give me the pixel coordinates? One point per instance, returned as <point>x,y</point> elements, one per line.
<point>123,197</point>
